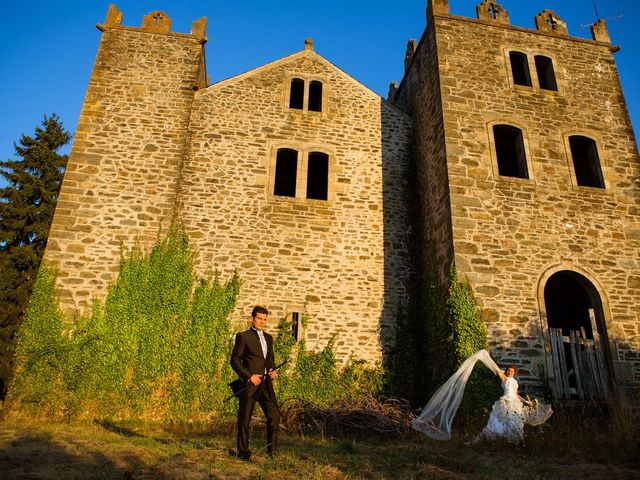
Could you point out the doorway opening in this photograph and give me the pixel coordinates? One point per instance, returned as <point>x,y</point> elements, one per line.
<point>577,336</point>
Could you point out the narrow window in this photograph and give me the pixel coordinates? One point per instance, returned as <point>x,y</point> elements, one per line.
<point>512,161</point>
<point>586,161</point>
<point>318,176</point>
<point>546,75</point>
<point>286,172</point>
<point>295,325</point>
<point>296,97</point>
<point>520,69</point>
<point>315,96</point>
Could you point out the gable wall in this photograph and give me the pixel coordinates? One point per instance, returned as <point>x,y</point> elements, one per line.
<point>343,261</point>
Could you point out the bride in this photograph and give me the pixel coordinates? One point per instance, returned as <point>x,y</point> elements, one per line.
<point>508,415</point>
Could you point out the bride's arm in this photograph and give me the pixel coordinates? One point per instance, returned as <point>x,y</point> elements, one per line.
<point>502,376</point>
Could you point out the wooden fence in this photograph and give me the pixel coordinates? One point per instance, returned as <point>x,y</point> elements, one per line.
<point>579,368</point>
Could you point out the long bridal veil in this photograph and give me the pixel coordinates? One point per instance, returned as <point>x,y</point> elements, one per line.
<point>437,415</point>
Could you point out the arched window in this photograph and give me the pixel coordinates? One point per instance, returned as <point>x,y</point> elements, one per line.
<point>586,161</point>
<point>546,74</point>
<point>315,96</point>
<point>512,161</point>
<point>520,69</point>
<point>296,97</point>
<point>318,176</point>
<point>286,173</point>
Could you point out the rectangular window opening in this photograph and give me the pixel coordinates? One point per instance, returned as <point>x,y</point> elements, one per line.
<point>546,74</point>
<point>315,96</point>
<point>318,176</point>
<point>296,96</point>
<point>295,325</point>
<point>586,162</point>
<point>520,69</point>
<point>286,173</point>
<point>510,153</point>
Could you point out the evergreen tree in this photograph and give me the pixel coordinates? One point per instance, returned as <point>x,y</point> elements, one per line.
<point>27,204</point>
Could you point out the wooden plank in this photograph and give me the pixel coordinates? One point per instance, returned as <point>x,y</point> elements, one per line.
<point>587,382</point>
<point>553,337</point>
<point>593,366</point>
<point>602,367</point>
<point>596,373</point>
<point>563,365</point>
<point>576,369</point>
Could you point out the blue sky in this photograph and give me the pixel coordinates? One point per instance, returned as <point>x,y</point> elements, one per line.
<point>48,47</point>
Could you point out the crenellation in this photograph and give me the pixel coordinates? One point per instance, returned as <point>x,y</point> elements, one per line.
<point>492,11</point>
<point>156,22</point>
<point>548,21</point>
<point>114,17</point>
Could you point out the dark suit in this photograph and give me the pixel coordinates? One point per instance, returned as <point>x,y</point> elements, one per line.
<point>248,359</point>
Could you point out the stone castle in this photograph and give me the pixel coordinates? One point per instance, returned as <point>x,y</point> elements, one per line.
<point>302,179</point>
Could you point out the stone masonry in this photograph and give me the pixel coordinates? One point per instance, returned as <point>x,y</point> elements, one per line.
<point>121,181</point>
<point>510,235</point>
<point>340,260</point>
<point>156,144</point>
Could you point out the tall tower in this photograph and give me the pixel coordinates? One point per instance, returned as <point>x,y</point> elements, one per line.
<point>122,176</point>
<point>530,181</point>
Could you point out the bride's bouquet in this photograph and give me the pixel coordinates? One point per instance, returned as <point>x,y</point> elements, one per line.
<point>536,412</point>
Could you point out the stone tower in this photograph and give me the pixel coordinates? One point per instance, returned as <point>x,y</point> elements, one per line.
<point>530,180</point>
<point>293,174</point>
<point>121,181</point>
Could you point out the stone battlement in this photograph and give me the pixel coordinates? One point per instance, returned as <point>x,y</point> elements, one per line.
<point>155,22</point>
<point>491,11</point>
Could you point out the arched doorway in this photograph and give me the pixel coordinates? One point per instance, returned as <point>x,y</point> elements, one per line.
<point>577,337</point>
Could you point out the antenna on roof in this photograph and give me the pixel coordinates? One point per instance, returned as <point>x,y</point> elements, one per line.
<point>595,8</point>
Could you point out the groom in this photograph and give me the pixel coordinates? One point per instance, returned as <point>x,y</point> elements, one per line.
<point>252,359</point>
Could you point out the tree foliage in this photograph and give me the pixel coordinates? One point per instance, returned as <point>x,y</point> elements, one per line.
<point>27,204</point>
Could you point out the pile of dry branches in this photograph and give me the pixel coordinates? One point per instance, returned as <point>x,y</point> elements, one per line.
<point>366,414</point>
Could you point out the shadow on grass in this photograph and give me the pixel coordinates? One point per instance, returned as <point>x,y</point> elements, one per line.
<point>190,451</point>
<point>40,455</point>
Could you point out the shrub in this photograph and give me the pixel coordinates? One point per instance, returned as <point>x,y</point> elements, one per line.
<point>158,347</point>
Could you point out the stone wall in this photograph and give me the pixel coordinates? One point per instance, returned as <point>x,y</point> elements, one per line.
<point>419,94</point>
<point>122,176</point>
<point>511,234</point>
<point>342,261</point>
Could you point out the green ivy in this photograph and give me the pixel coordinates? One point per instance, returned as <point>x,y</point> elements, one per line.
<point>158,347</point>
<point>316,376</point>
<point>442,329</point>
<point>155,348</point>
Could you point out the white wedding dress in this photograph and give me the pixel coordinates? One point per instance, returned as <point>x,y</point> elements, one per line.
<point>508,415</point>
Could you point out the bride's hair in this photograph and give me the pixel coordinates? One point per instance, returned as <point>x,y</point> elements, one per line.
<point>515,369</point>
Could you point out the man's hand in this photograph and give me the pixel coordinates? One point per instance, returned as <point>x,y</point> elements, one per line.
<point>273,374</point>
<point>256,379</point>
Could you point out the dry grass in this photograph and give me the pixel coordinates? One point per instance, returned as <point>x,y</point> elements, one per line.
<point>146,450</point>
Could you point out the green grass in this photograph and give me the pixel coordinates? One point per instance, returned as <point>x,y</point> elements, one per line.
<point>148,450</point>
